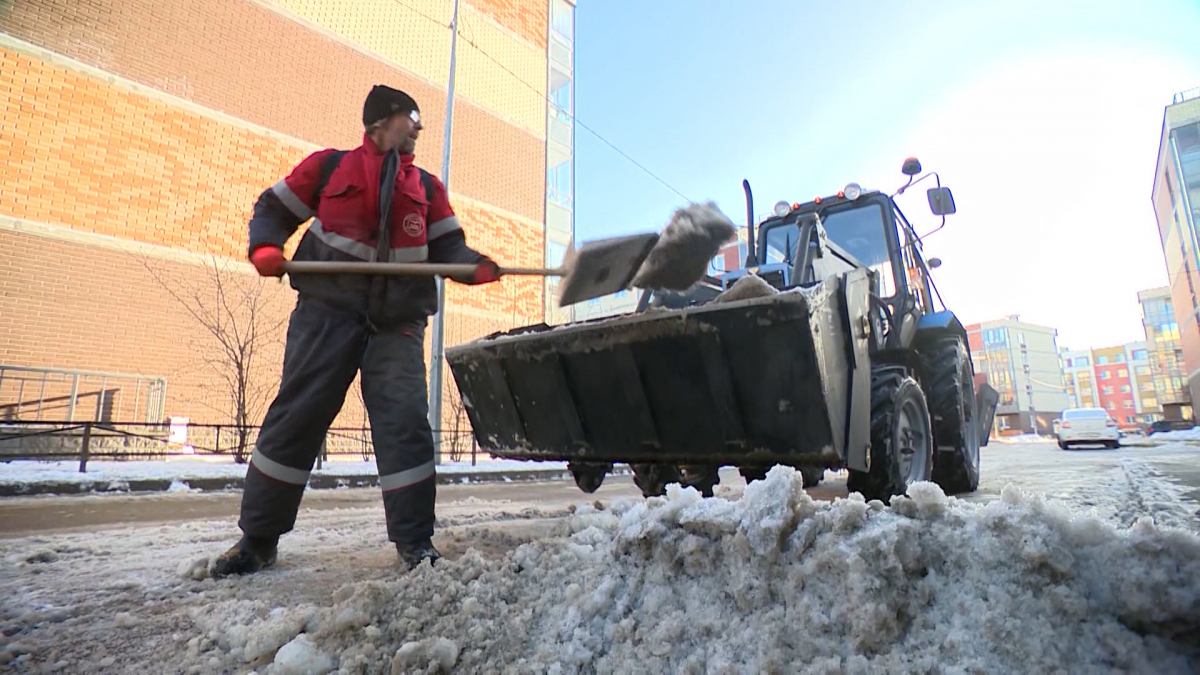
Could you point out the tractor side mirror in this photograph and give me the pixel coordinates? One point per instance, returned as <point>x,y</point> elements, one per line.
<point>934,263</point>
<point>941,201</point>
<point>911,167</point>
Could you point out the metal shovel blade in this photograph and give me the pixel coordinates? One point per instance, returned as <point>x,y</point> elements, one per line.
<point>603,267</point>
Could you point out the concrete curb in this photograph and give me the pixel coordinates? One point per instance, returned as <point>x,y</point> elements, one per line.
<point>316,482</point>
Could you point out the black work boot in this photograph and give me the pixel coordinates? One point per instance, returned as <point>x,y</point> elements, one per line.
<point>412,554</point>
<point>249,555</point>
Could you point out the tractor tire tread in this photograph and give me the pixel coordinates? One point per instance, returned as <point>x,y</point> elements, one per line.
<point>942,370</point>
<point>883,480</point>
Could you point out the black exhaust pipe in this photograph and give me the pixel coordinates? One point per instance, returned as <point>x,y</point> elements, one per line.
<point>751,255</point>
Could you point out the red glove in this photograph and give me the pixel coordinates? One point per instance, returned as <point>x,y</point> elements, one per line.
<point>487,272</point>
<point>268,260</point>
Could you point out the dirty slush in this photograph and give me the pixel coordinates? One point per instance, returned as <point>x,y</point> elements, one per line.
<point>772,582</point>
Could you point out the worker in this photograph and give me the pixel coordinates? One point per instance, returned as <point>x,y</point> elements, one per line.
<point>349,323</point>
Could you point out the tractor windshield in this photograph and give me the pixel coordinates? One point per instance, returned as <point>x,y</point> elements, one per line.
<point>859,229</point>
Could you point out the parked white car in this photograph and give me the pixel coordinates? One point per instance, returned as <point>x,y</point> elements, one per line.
<point>1087,426</point>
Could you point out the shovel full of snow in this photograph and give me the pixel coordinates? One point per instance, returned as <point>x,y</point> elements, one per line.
<point>674,259</point>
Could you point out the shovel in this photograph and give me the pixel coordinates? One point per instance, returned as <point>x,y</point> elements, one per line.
<point>678,258</point>
<point>596,269</point>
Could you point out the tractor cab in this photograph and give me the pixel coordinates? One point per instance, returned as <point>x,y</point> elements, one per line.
<point>802,244</point>
<point>835,232</point>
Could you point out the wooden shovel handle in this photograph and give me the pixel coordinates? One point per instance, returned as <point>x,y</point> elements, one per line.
<point>403,269</point>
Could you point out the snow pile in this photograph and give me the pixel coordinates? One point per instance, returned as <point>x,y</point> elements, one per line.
<point>301,657</point>
<point>1192,434</point>
<point>745,288</point>
<point>693,236</point>
<point>1023,439</point>
<point>773,582</point>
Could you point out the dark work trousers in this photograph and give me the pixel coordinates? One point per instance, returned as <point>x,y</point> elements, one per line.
<point>325,348</point>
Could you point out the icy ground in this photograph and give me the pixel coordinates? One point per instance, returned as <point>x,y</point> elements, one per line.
<point>761,579</point>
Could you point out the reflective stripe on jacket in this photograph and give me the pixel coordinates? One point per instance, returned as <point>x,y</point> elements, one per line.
<point>346,224</point>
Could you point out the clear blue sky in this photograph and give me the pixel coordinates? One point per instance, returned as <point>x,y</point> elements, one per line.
<point>1043,117</point>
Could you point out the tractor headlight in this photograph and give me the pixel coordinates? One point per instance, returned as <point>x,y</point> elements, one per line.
<point>852,191</point>
<point>782,208</point>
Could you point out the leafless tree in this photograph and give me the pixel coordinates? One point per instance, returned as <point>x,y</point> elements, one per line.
<point>239,337</point>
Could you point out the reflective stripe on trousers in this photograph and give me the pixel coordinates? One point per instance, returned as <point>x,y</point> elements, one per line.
<point>326,348</point>
<point>408,477</point>
<point>279,472</point>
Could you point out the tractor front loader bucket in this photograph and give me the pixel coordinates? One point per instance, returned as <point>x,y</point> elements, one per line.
<point>758,382</point>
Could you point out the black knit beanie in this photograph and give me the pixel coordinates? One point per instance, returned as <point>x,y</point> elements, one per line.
<point>383,102</point>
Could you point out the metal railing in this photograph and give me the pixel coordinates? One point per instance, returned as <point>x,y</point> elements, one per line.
<point>126,441</point>
<point>30,393</point>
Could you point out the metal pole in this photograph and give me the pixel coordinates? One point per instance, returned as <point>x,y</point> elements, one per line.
<point>74,393</point>
<point>439,319</point>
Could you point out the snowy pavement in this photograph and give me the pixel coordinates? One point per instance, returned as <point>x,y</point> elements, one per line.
<point>1090,564</point>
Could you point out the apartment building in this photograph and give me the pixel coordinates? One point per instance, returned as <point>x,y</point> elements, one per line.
<point>1172,396</point>
<point>1021,361</point>
<point>1118,379</point>
<point>135,136</point>
<point>1175,197</point>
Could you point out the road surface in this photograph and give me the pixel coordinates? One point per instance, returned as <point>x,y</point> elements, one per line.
<point>1040,467</point>
<point>98,582</point>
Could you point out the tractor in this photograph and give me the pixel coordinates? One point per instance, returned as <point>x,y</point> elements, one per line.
<point>824,350</point>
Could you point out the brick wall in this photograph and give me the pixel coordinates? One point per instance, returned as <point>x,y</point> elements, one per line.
<point>108,161</point>
<point>497,68</point>
<point>527,18</point>
<point>92,159</point>
<point>245,60</point>
<point>71,304</point>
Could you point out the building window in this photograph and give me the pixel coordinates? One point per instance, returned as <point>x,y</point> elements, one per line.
<point>1122,373</point>
<point>1128,404</point>
<point>1105,375</point>
<point>1108,391</point>
<point>1140,355</point>
<point>1101,360</point>
<point>562,19</point>
<point>1124,389</point>
<point>1083,361</point>
<point>558,184</point>
<point>995,336</point>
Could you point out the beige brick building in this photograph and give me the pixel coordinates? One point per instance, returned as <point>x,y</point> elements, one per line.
<point>135,136</point>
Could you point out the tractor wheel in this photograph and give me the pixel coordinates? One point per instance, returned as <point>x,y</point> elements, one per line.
<point>703,477</point>
<point>652,479</point>
<point>812,475</point>
<point>753,473</point>
<point>901,436</point>
<point>950,387</point>
<point>589,476</point>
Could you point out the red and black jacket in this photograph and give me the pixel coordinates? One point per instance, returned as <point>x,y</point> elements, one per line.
<point>347,223</point>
